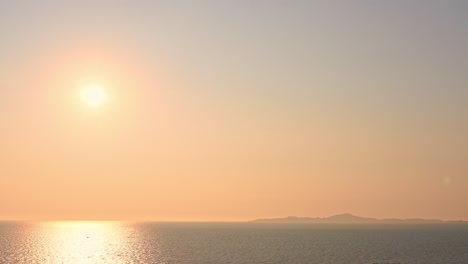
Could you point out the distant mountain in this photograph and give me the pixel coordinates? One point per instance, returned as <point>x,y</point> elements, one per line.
<point>352,219</point>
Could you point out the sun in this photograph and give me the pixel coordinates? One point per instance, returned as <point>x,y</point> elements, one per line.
<point>93,95</point>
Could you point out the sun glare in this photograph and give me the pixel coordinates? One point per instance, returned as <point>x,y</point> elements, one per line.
<point>93,95</point>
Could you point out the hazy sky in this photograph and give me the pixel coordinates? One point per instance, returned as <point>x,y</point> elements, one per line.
<point>233,110</point>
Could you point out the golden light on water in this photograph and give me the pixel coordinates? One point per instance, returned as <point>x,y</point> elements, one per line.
<point>93,95</point>
<point>84,242</point>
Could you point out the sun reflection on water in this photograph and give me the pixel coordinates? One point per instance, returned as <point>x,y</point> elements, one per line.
<point>85,242</point>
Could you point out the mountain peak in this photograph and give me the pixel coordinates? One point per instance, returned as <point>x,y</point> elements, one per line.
<point>343,215</point>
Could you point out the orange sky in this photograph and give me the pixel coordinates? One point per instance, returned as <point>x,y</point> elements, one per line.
<point>232,112</point>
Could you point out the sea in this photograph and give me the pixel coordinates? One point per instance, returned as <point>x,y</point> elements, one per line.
<point>236,243</point>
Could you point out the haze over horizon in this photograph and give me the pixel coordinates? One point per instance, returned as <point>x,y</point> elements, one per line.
<point>233,110</point>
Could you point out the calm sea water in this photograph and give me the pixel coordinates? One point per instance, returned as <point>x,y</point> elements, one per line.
<point>179,243</point>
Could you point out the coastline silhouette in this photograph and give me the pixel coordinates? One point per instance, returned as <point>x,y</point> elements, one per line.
<point>352,219</point>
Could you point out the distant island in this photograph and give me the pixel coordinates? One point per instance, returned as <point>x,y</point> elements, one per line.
<point>352,219</point>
